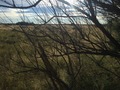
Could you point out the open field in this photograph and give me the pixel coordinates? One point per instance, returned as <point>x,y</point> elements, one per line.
<point>31,56</point>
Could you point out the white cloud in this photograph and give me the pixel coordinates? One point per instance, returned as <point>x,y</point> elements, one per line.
<point>17,14</point>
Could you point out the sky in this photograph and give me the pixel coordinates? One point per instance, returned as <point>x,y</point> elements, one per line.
<point>39,14</point>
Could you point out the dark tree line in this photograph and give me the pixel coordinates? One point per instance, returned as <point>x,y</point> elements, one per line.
<point>24,23</point>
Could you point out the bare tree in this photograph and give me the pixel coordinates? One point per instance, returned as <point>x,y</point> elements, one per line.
<point>59,51</point>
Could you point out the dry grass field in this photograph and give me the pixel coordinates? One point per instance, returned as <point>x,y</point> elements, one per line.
<point>20,58</point>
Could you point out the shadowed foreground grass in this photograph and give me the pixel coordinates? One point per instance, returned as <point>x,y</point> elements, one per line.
<point>95,72</point>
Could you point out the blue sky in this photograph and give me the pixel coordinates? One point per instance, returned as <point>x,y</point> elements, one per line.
<point>39,14</point>
<point>44,11</point>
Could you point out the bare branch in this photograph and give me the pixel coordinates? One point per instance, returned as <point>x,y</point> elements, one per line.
<point>20,7</point>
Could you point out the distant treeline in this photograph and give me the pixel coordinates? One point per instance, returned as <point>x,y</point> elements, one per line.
<point>24,23</point>
<point>18,23</point>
